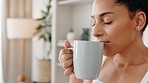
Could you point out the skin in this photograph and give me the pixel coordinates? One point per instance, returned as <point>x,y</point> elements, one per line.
<point>123,45</point>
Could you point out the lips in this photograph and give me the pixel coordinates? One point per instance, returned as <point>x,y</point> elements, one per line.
<point>105,42</point>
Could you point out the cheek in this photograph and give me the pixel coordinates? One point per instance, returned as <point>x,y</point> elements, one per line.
<point>115,46</point>
<point>121,32</point>
<point>120,37</point>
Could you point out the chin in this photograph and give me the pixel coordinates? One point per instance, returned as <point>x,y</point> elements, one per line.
<point>108,53</point>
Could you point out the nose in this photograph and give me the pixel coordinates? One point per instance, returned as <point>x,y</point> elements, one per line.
<point>98,31</point>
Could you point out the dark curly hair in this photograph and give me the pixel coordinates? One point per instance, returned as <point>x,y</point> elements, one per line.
<point>134,6</point>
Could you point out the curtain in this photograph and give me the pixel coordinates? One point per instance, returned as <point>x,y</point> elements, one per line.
<point>11,49</point>
<point>1,68</point>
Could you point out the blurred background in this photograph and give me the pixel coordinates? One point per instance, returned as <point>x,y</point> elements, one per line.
<point>32,33</point>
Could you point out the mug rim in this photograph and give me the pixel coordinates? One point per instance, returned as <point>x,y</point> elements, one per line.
<point>87,41</point>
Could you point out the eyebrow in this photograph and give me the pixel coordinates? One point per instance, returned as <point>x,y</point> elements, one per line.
<point>103,14</point>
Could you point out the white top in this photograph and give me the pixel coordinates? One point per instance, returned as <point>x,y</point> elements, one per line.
<point>144,80</point>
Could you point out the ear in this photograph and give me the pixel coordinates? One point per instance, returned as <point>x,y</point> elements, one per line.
<point>140,20</point>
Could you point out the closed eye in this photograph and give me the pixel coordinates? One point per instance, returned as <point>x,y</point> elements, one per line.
<point>107,23</point>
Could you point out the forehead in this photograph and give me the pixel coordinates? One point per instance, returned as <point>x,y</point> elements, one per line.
<point>104,3</point>
<point>101,6</point>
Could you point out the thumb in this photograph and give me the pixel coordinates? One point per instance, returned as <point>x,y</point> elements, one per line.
<point>67,44</point>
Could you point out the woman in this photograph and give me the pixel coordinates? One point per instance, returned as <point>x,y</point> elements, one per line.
<point>119,24</point>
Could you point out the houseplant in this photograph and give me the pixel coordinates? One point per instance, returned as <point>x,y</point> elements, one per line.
<point>42,66</point>
<point>43,31</point>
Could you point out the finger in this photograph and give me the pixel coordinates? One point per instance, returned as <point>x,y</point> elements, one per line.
<point>60,54</point>
<point>67,64</point>
<point>68,71</point>
<point>67,44</point>
<point>66,57</point>
<point>64,51</point>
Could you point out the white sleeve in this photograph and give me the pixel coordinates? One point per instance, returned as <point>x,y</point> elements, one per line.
<point>97,81</point>
<point>145,79</point>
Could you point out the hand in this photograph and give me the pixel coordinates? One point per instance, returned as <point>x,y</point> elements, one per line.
<point>66,58</point>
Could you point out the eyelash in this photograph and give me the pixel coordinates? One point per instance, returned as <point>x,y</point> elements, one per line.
<point>108,23</point>
<point>93,24</point>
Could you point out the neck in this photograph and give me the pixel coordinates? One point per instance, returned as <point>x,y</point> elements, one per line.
<point>135,54</point>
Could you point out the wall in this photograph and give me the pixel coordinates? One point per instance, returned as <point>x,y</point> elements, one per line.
<point>81,18</point>
<point>145,37</point>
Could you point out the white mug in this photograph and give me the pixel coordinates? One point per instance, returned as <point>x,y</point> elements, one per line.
<point>87,59</point>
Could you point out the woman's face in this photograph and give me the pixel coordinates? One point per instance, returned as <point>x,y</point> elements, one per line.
<point>113,26</point>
